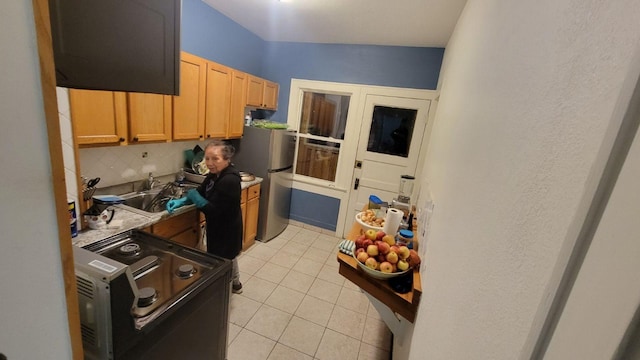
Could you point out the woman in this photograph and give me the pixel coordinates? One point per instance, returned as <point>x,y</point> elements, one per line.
<point>218,197</point>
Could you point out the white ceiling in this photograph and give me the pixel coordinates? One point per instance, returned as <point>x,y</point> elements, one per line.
<point>424,23</point>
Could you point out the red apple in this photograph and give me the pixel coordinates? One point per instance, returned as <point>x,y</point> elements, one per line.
<point>389,239</point>
<point>394,248</point>
<point>383,247</point>
<point>380,234</point>
<point>392,257</point>
<point>386,267</point>
<point>359,241</point>
<point>360,250</point>
<point>370,234</point>
<point>366,243</point>
<point>371,263</point>
<point>395,267</point>
<point>402,265</point>
<point>372,250</point>
<point>362,256</point>
<point>380,258</point>
<point>414,259</point>
<point>403,252</point>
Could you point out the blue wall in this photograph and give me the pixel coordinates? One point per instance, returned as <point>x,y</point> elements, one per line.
<point>209,34</point>
<point>313,209</point>
<point>398,66</point>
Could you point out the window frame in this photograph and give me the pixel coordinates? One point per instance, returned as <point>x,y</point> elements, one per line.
<point>348,145</point>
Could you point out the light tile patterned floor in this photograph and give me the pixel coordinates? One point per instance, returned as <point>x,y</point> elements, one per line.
<point>295,305</point>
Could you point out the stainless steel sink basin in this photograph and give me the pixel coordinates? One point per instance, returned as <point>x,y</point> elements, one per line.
<point>149,201</point>
<point>155,200</point>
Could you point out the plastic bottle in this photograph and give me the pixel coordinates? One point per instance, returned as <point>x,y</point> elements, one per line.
<point>247,119</point>
<point>405,237</point>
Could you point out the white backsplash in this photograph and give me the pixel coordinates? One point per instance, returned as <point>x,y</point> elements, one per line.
<point>120,164</point>
<point>116,164</point>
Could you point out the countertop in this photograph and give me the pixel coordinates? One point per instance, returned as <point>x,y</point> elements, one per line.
<point>129,218</point>
<point>403,304</point>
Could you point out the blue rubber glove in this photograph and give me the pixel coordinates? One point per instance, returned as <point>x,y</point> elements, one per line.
<point>173,204</point>
<point>196,198</point>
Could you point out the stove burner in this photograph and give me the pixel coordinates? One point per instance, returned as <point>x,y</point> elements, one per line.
<point>147,296</point>
<point>186,271</point>
<point>130,249</point>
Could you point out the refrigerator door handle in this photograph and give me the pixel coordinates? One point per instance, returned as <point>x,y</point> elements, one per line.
<point>270,171</point>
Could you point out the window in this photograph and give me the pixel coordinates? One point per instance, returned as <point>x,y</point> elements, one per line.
<point>323,118</point>
<point>391,130</point>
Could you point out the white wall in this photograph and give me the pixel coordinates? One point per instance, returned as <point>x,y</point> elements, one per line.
<point>527,92</point>
<point>32,305</point>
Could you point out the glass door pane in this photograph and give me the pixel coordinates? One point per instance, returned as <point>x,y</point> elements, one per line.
<point>391,130</point>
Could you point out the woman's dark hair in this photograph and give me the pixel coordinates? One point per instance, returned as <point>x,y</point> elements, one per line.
<point>227,149</point>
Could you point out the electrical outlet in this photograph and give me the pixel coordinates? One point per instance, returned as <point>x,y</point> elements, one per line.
<point>145,154</point>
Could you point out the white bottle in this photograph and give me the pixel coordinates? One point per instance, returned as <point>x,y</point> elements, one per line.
<point>247,119</point>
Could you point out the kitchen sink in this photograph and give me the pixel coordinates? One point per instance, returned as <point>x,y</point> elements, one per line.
<point>154,200</point>
<point>149,201</point>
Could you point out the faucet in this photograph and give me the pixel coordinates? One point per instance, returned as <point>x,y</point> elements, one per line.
<point>149,183</point>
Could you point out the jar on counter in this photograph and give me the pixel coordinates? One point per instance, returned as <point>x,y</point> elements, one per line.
<point>405,237</point>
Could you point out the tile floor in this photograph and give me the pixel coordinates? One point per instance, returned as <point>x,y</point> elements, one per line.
<point>295,305</point>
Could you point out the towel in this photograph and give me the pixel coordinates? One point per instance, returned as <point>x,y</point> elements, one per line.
<point>347,247</point>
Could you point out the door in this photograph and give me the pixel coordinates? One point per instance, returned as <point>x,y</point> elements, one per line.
<point>188,107</point>
<point>392,136</point>
<point>218,100</point>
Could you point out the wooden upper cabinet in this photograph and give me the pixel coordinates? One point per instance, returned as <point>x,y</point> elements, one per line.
<point>189,106</point>
<point>98,117</point>
<point>149,117</point>
<point>254,91</point>
<point>262,93</point>
<point>238,101</point>
<point>218,100</point>
<point>270,96</point>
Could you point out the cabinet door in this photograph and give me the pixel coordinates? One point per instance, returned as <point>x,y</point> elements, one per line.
<point>218,100</point>
<point>243,208</point>
<point>251,227</point>
<point>98,117</point>
<point>189,106</point>
<point>149,117</point>
<point>255,91</point>
<point>188,238</point>
<point>238,101</point>
<point>176,224</point>
<point>270,97</point>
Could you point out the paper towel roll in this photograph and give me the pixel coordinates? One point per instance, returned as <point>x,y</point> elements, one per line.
<point>392,221</point>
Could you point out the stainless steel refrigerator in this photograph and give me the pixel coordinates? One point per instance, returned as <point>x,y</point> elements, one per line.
<point>269,153</point>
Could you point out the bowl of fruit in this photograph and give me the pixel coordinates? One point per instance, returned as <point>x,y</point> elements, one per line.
<point>369,220</point>
<point>379,257</point>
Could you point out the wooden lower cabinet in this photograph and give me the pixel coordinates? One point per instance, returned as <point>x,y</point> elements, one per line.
<point>182,228</point>
<point>250,215</point>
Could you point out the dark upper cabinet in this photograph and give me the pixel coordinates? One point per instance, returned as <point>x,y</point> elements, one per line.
<point>124,45</point>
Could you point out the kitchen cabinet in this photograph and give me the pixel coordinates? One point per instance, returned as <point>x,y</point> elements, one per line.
<point>218,100</point>
<point>149,117</point>
<point>250,215</point>
<point>262,93</point>
<point>189,107</point>
<point>110,117</point>
<point>182,228</point>
<point>238,102</point>
<point>98,117</point>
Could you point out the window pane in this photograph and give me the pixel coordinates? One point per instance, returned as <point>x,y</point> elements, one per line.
<point>324,114</point>
<point>317,158</point>
<point>391,130</point>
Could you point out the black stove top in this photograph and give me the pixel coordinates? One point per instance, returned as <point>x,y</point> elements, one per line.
<point>163,271</point>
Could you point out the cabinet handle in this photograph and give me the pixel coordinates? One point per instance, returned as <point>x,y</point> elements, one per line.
<point>201,136</point>
<point>121,139</point>
<point>135,138</point>
<point>208,135</point>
